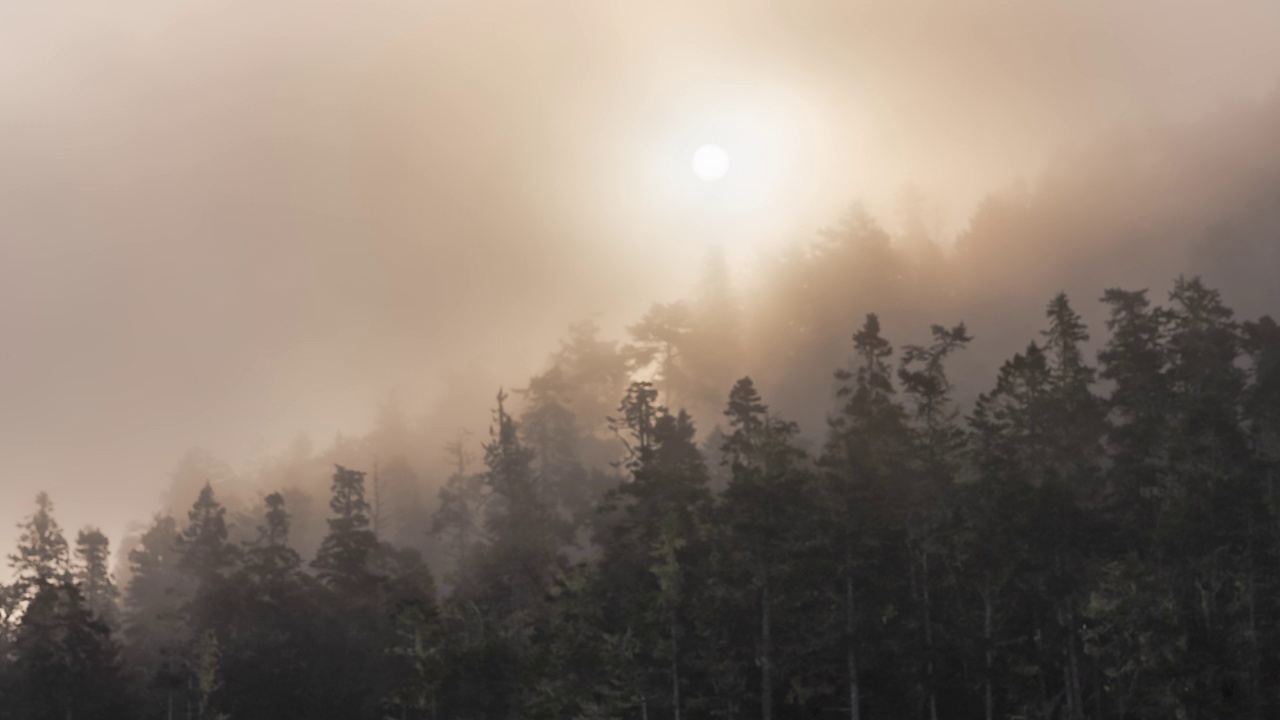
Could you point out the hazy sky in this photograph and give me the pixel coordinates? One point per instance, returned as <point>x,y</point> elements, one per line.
<point>223,223</point>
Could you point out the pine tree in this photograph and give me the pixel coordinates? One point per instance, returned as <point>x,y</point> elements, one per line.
<point>271,556</point>
<point>66,663</point>
<point>552,431</point>
<point>272,652</point>
<point>653,534</point>
<point>1008,441</point>
<point>765,512</point>
<point>202,545</point>
<point>937,441</point>
<point>1133,360</point>
<point>458,517</point>
<point>154,626</point>
<point>344,561</point>
<point>42,558</point>
<point>92,548</point>
<point>663,337</point>
<point>524,534</point>
<point>1066,541</point>
<point>865,458</point>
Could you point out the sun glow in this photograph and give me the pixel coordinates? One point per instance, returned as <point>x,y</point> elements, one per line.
<point>710,163</point>
<point>742,164</point>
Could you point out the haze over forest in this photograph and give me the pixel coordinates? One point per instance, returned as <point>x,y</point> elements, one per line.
<point>222,226</point>
<point>661,360</point>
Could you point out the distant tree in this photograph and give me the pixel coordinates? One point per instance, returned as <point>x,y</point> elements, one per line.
<point>552,430</point>
<point>592,372</point>
<point>42,557</point>
<point>523,534</point>
<point>271,556</point>
<point>154,626</point>
<point>662,337</point>
<point>100,594</point>
<point>344,561</point>
<point>270,653</point>
<point>713,352</point>
<point>202,545</point>
<point>459,515</point>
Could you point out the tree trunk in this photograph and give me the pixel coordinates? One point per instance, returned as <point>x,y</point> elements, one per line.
<point>675,672</point>
<point>766,659</point>
<point>1255,696</point>
<point>1099,712</point>
<point>1066,690</point>
<point>987,632</point>
<point>1045,707</point>
<point>1073,657</point>
<point>377,503</point>
<point>851,660</point>
<point>928,637</point>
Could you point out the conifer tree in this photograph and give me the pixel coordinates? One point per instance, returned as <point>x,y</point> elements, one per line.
<point>458,518</point>
<point>937,441</point>
<point>100,594</point>
<point>663,337</point>
<point>765,511</point>
<point>42,558</point>
<point>66,663</point>
<point>154,626</point>
<point>653,533</point>
<point>344,560</point>
<point>202,545</point>
<point>867,446</point>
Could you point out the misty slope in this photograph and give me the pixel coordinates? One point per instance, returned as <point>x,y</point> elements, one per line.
<point>1132,209</point>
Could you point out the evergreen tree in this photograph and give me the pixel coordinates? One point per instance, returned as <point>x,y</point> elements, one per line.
<point>937,441</point>
<point>505,588</point>
<point>344,561</point>
<point>867,446</point>
<point>154,626</point>
<point>764,519</point>
<point>42,558</point>
<point>100,594</point>
<point>66,665</point>
<point>205,553</point>
<point>552,431</point>
<point>653,536</point>
<point>459,515</point>
<point>662,337</point>
<point>524,535</point>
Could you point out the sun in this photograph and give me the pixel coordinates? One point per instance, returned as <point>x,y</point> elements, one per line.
<point>710,163</point>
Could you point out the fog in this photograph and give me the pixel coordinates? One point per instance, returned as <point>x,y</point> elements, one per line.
<point>222,225</point>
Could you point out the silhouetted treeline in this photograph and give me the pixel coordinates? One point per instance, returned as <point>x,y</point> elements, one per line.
<point>1092,538</point>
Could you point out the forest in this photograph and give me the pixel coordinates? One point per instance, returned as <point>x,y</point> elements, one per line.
<point>892,477</point>
<point>1094,535</point>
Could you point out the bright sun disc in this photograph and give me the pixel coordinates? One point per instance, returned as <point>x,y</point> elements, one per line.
<point>710,163</point>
